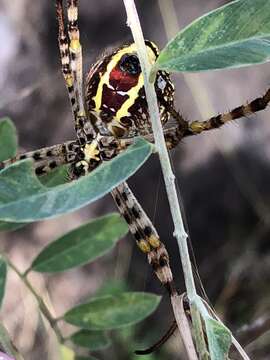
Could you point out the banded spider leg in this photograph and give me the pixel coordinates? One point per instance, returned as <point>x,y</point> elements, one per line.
<point>175,134</point>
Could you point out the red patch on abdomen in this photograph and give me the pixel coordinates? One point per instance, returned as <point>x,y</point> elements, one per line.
<point>122,81</point>
<point>111,99</point>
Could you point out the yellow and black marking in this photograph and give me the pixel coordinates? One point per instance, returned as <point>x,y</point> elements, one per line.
<point>115,91</point>
<point>196,127</point>
<point>48,158</point>
<point>145,235</point>
<point>71,60</point>
<point>65,56</point>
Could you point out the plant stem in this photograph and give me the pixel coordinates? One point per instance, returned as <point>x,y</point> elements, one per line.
<point>7,344</point>
<point>169,178</point>
<point>42,306</point>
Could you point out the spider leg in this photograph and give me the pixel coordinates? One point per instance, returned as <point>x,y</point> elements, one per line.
<point>71,59</point>
<point>47,158</point>
<point>83,123</point>
<point>174,135</point>
<point>145,235</point>
<point>75,50</point>
<point>160,342</point>
<point>65,57</point>
<point>91,154</point>
<point>217,121</point>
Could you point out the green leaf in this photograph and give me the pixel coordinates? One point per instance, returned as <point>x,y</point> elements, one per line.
<point>218,335</point>
<point>112,312</point>
<point>219,339</point>
<point>146,357</point>
<point>24,199</point>
<point>8,139</point>
<point>55,177</point>
<point>9,226</point>
<point>234,35</point>
<point>93,340</point>
<point>3,278</point>
<point>82,245</point>
<point>8,149</point>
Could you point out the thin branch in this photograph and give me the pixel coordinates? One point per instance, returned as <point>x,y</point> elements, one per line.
<point>41,304</point>
<point>179,231</point>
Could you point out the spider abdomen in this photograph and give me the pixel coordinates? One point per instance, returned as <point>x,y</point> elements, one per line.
<point>115,92</point>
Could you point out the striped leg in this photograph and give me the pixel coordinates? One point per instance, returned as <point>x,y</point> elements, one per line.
<point>48,158</point>
<point>75,49</point>
<point>215,122</point>
<point>64,55</point>
<point>175,135</point>
<point>149,243</point>
<point>71,59</point>
<point>90,155</point>
<point>145,235</point>
<point>82,158</point>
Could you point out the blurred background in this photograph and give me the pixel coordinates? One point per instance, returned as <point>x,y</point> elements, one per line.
<point>223,177</point>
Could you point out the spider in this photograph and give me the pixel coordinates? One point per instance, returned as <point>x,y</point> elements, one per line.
<point>109,112</point>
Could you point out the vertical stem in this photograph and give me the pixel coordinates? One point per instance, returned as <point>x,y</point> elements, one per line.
<point>169,178</point>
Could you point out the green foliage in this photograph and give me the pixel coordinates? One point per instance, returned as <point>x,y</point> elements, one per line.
<point>219,339</point>
<point>3,278</point>
<point>113,311</point>
<point>93,340</point>
<point>8,149</point>
<point>9,226</point>
<point>234,35</point>
<point>56,177</point>
<point>82,245</point>
<point>8,136</point>
<point>21,189</point>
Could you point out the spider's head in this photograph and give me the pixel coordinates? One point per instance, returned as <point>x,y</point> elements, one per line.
<point>115,91</point>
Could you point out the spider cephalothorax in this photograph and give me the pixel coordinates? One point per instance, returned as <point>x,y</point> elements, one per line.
<point>115,91</point>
